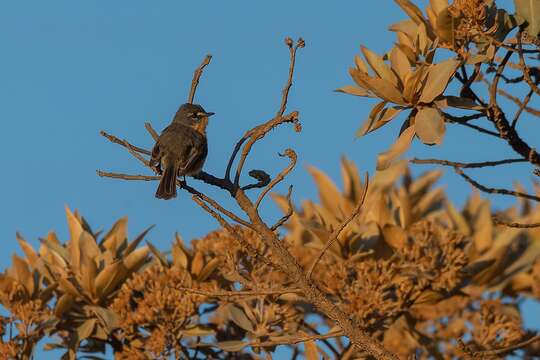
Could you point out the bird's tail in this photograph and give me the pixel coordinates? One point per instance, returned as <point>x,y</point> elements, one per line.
<point>167,185</point>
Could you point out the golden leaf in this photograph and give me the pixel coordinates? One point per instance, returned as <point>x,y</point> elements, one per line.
<point>438,5</point>
<point>394,236</point>
<point>23,274</point>
<point>379,66</point>
<point>118,234</point>
<point>382,88</point>
<point>412,10</point>
<point>328,191</point>
<point>28,250</point>
<point>137,258</point>
<point>86,329</point>
<point>179,254</point>
<point>413,80</point>
<point>63,305</point>
<point>438,77</point>
<point>75,228</point>
<point>378,118</point>
<point>429,125</point>
<point>400,63</point>
<point>238,316</point>
<point>197,263</point>
<point>360,64</point>
<point>353,90</point>
<point>208,269</point>
<point>385,159</point>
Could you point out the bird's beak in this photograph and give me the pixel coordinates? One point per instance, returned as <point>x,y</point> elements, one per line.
<point>207,114</point>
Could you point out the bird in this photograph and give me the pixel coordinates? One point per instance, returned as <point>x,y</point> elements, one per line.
<point>181,148</point>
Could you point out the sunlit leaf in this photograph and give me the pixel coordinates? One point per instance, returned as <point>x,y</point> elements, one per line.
<point>384,160</point>
<point>438,78</point>
<point>379,66</point>
<point>429,125</point>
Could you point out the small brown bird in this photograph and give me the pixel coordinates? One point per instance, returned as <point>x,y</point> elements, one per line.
<point>181,148</point>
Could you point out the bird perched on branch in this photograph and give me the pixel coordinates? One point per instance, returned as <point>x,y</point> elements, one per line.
<point>181,148</point>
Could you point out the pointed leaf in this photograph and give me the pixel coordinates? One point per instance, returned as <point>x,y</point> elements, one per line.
<point>353,90</point>
<point>429,125</point>
<point>238,316</point>
<point>530,11</point>
<point>384,160</point>
<point>379,66</point>
<point>400,63</point>
<point>438,77</point>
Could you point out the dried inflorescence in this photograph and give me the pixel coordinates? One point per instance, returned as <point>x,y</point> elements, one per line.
<point>154,309</point>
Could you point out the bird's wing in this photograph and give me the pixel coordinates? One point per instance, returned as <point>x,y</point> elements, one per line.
<point>197,150</point>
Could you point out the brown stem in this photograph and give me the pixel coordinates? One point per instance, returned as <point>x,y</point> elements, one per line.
<point>335,234</point>
<point>197,76</point>
<point>466,165</point>
<point>495,190</point>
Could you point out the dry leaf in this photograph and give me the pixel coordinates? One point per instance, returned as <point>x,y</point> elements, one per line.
<point>429,125</point>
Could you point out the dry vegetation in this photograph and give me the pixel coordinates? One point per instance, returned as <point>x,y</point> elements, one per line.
<point>386,268</point>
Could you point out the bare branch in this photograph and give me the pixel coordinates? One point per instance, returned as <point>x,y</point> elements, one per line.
<point>247,293</point>
<point>214,204</point>
<point>498,221</point>
<point>250,249</point>
<point>124,143</point>
<point>197,76</point>
<point>258,133</point>
<point>335,234</point>
<point>495,190</point>
<point>151,130</point>
<point>285,93</point>
<point>292,156</point>
<point>521,108</point>
<point>502,351</point>
<point>288,214</point>
<point>127,176</point>
<point>525,68</point>
<point>466,165</point>
<point>262,178</point>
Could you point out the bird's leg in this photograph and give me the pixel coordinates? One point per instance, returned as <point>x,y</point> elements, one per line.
<point>183,181</point>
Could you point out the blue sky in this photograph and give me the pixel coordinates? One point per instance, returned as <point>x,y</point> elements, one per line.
<point>70,69</point>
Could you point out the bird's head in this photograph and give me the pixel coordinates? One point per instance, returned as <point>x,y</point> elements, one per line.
<point>192,115</point>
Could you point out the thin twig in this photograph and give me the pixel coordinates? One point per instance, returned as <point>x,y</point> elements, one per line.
<point>495,190</point>
<point>292,157</point>
<point>288,214</point>
<point>127,176</point>
<point>335,234</point>
<point>116,140</point>
<point>514,99</point>
<point>466,165</point>
<point>135,154</point>
<point>151,130</point>
<point>285,93</point>
<point>230,229</point>
<point>505,350</point>
<point>286,341</point>
<point>197,76</point>
<point>246,293</point>
<point>498,118</point>
<point>498,221</point>
<point>260,132</point>
<point>463,120</point>
<point>215,205</point>
<point>521,108</point>
<point>524,67</point>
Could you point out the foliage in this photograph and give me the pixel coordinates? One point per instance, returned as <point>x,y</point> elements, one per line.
<point>384,268</point>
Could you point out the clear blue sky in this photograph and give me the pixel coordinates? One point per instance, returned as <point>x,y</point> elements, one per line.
<point>70,69</point>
